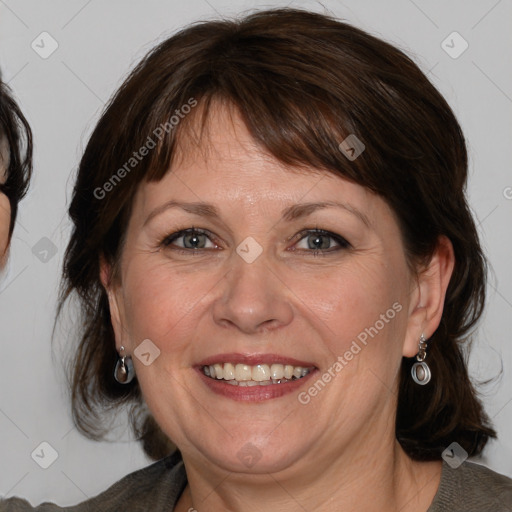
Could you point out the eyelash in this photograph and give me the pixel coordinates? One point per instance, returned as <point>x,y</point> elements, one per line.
<point>342,243</point>
<point>169,239</point>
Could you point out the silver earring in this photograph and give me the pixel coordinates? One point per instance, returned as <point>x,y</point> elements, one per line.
<point>420,370</point>
<point>124,371</point>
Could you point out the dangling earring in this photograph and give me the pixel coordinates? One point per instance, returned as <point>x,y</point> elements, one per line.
<point>420,370</point>
<point>124,371</point>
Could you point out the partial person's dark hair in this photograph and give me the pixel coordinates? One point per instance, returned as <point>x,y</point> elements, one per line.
<point>302,83</point>
<point>16,132</point>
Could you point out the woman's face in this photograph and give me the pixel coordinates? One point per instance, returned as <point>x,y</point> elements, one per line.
<point>5,205</point>
<point>277,266</point>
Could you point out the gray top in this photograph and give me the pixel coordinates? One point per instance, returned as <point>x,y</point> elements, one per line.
<point>157,488</point>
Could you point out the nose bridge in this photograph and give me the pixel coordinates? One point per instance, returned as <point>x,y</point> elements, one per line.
<point>253,297</point>
<point>249,281</point>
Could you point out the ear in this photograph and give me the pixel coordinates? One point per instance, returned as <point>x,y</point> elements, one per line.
<point>114,300</point>
<point>426,308</point>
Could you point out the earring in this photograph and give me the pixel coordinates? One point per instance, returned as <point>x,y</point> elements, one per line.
<point>420,370</point>
<point>124,371</point>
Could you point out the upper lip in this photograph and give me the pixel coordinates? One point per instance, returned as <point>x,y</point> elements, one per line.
<point>253,359</point>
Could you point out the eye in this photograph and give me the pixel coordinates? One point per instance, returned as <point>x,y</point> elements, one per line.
<point>191,238</point>
<point>320,241</point>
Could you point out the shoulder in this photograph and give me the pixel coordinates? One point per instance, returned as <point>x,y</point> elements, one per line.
<point>472,488</point>
<point>156,487</point>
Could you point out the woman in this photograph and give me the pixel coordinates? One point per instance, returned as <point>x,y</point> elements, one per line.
<point>278,270</point>
<point>15,165</point>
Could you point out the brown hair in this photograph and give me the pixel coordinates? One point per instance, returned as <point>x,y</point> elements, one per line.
<point>15,130</point>
<point>302,83</point>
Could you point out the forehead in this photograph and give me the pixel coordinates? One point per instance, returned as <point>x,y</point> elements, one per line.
<point>220,138</point>
<point>219,162</point>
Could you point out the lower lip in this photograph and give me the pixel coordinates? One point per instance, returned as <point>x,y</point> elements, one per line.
<point>253,393</point>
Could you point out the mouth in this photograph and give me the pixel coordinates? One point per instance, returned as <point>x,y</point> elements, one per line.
<point>254,377</point>
<point>246,375</point>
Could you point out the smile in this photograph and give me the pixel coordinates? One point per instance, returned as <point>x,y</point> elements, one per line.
<point>245,375</point>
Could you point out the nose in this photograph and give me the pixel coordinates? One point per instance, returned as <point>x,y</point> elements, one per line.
<point>253,298</point>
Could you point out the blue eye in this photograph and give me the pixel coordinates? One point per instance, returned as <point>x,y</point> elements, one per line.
<point>314,241</point>
<point>318,241</point>
<point>192,238</point>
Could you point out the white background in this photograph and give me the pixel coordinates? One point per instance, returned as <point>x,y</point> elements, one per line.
<point>62,96</point>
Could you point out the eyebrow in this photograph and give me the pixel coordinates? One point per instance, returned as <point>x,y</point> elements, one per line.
<point>201,209</point>
<point>289,214</point>
<point>303,210</point>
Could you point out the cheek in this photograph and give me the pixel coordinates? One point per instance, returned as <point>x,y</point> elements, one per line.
<point>358,311</point>
<point>358,300</point>
<point>160,302</point>
<point>349,299</point>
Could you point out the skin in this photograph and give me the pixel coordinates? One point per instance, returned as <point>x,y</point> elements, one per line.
<point>338,449</point>
<point>5,206</point>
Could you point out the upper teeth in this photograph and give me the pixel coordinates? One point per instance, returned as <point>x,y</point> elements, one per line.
<point>263,373</point>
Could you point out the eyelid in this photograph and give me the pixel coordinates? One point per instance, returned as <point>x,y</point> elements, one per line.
<point>342,242</point>
<point>169,239</point>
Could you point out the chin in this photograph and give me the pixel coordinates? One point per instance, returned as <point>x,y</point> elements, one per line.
<point>250,453</point>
